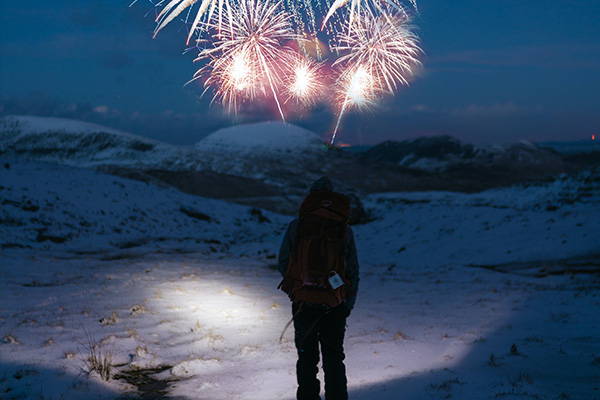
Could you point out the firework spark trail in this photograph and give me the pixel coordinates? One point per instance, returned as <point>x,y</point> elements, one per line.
<point>304,12</point>
<point>358,8</point>
<point>358,90</point>
<point>381,54</point>
<point>174,8</point>
<point>249,56</point>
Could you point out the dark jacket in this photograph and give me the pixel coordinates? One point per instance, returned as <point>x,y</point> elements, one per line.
<point>352,269</point>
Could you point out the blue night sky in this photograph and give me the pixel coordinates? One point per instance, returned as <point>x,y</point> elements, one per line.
<point>494,72</point>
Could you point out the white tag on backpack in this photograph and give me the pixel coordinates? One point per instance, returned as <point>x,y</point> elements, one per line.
<point>335,281</point>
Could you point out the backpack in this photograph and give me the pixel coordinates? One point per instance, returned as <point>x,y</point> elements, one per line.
<point>319,251</point>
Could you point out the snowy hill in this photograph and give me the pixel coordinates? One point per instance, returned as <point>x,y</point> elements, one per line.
<point>270,138</point>
<point>80,143</point>
<point>248,151</point>
<point>39,125</point>
<point>261,151</point>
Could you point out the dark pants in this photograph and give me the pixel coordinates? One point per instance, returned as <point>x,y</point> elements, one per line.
<point>314,326</point>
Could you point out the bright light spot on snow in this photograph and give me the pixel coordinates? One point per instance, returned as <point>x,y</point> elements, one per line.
<point>223,311</point>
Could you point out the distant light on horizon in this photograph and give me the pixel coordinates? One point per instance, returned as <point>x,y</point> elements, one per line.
<point>594,136</point>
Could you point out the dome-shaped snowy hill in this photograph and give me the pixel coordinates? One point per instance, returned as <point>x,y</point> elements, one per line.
<point>273,137</point>
<point>79,143</point>
<point>260,150</point>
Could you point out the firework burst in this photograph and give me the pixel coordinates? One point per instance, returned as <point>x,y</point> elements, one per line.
<point>305,83</point>
<point>249,57</point>
<point>266,50</point>
<point>379,54</point>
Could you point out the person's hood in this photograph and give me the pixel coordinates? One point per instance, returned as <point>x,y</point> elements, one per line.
<point>323,184</point>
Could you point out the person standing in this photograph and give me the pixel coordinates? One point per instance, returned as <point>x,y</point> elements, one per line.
<point>320,270</point>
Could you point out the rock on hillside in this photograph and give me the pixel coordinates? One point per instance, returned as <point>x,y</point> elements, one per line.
<point>426,153</point>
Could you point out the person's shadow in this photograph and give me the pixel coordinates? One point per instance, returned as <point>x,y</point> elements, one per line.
<point>30,381</point>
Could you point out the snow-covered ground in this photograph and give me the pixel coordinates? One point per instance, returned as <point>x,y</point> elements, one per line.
<point>79,210</point>
<point>462,296</point>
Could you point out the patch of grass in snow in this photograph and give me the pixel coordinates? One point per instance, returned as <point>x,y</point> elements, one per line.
<point>401,336</point>
<point>97,361</point>
<point>113,319</point>
<point>213,338</point>
<point>10,339</point>
<point>514,351</point>
<point>137,309</point>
